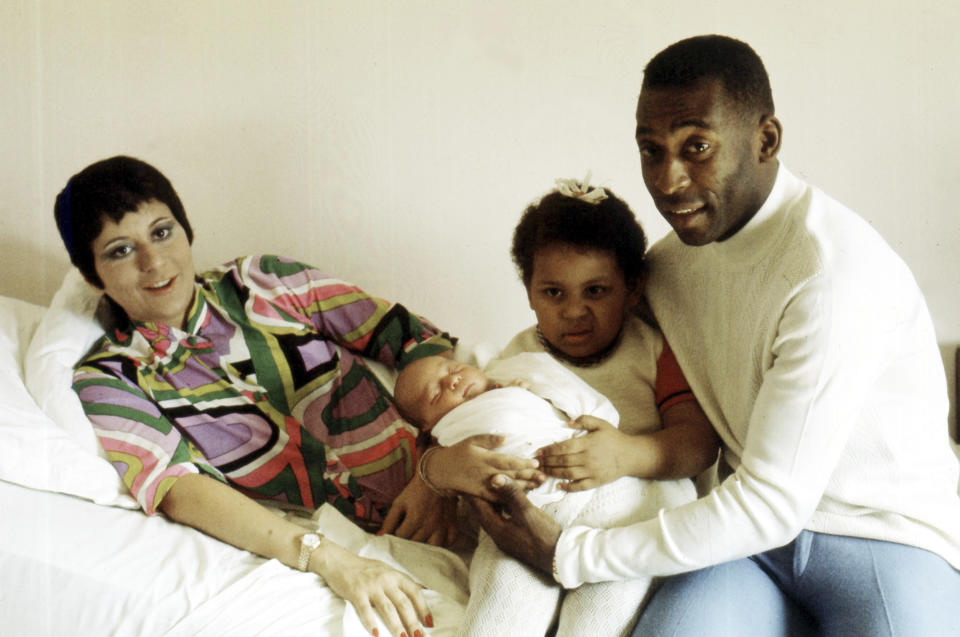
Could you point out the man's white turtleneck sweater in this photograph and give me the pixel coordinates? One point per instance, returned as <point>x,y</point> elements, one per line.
<point>811,349</point>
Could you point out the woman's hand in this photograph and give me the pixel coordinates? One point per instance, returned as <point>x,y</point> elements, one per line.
<point>421,515</point>
<point>373,587</point>
<point>469,465</point>
<point>219,510</point>
<point>587,461</point>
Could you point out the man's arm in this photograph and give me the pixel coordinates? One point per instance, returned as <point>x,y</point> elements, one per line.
<point>529,534</point>
<point>807,404</point>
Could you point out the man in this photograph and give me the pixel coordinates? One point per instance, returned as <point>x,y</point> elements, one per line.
<point>810,347</point>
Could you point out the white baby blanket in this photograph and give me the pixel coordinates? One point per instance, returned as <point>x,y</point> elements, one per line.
<point>530,417</point>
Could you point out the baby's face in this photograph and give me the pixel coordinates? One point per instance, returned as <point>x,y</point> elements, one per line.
<point>430,387</point>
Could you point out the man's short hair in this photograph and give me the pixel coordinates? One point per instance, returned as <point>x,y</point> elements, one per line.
<point>707,57</point>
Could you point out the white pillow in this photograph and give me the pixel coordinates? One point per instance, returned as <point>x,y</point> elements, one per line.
<point>22,456</point>
<point>75,462</point>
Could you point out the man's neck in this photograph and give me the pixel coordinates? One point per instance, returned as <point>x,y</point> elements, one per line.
<point>767,180</point>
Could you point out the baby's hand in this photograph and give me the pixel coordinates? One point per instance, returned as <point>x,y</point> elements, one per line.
<point>587,461</point>
<point>522,384</point>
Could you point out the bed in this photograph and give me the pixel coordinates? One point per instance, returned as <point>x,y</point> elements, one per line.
<point>79,558</point>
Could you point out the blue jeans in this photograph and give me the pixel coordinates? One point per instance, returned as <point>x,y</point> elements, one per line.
<point>817,585</point>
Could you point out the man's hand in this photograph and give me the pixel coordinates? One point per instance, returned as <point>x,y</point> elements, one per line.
<point>529,534</point>
<point>585,462</point>
<point>421,515</point>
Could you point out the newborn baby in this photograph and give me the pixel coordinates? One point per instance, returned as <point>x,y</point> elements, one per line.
<point>528,398</point>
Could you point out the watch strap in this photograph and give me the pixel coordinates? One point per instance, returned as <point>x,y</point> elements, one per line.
<point>308,544</point>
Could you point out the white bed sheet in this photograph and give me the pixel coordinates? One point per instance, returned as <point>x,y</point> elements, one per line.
<point>71,567</point>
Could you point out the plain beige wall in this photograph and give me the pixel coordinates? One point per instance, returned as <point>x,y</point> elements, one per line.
<point>396,143</point>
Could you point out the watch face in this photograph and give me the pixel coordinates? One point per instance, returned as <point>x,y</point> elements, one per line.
<point>310,540</point>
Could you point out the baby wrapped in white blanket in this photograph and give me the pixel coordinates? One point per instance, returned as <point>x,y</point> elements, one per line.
<point>507,596</point>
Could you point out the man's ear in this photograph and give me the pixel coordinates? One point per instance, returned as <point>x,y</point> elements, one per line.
<point>771,134</point>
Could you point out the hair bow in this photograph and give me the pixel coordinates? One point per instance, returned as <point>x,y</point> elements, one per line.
<point>581,190</point>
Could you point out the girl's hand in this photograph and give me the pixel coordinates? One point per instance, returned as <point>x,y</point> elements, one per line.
<point>421,515</point>
<point>468,466</point>
<point>587,461</point>
<point>372,586</point>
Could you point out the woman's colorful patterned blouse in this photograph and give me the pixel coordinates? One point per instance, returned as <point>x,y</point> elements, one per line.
<point>266,388</point>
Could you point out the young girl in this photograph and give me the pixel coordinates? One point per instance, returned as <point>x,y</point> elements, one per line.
<point>580,254</point>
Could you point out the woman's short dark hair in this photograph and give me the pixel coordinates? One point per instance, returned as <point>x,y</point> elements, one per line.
<point>609,226</point>
<point>109,188</point>
<point>733,63</point>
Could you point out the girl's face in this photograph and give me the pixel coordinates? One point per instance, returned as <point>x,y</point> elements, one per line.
<point>146,264</point>
<point>580,298</point>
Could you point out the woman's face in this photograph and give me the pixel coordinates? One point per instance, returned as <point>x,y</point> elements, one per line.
<point>146,264</point>
<point>580,298</point>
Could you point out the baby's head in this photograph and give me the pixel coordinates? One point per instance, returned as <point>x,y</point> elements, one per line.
<point>428,388</point>
<point>580,254</point>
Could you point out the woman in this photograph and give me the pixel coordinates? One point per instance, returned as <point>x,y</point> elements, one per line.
<point>250,381</point>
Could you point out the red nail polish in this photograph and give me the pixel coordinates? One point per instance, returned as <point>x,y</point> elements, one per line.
<point>429,621</point>
<point>376,632</point>
<point>417,633</point>
<point>403,634</point>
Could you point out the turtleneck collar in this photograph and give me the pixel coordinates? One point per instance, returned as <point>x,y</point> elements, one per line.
<point>755,238</point>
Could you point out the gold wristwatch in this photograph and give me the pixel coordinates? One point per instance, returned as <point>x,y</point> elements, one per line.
<point>308,544</point>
